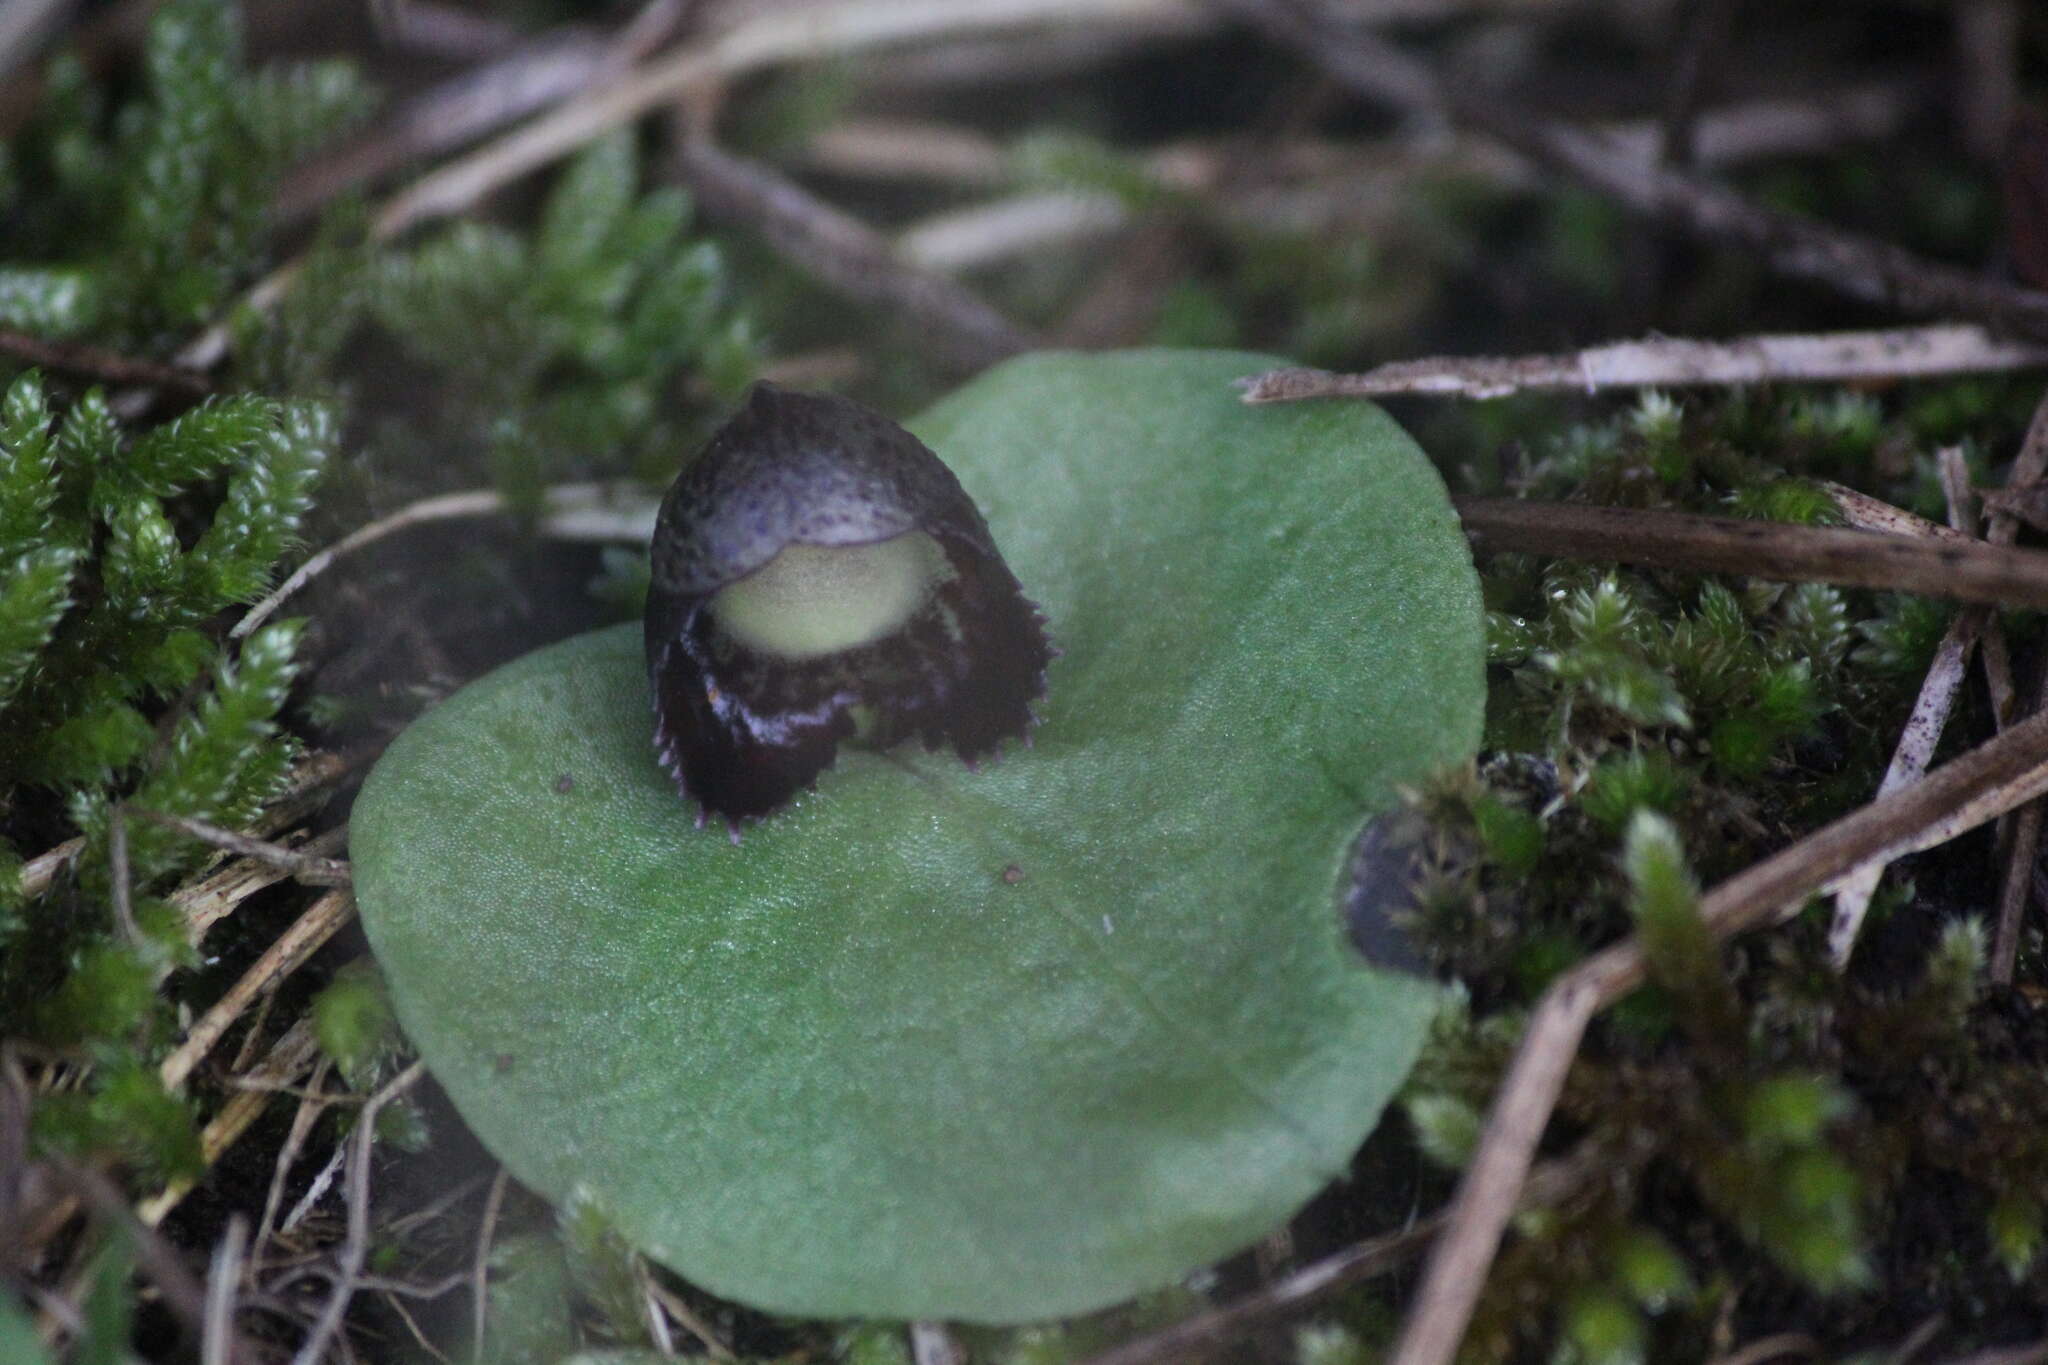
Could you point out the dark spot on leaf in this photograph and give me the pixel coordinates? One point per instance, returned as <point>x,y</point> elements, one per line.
<point>1012,875</point>
<point>1387,864</point>
<point>565,784</point>
<point>503,1062</point>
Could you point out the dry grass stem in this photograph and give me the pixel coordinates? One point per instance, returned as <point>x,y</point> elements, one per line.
<point>1866,513</point>
<point>311,869</point>
<point>1015,225</point>
<point>289,1057</point>
<point>1961,570</point>
<point>1272,1305</point>
<point>850,258</point>
<point>108,367</point>
<point>316,1190</point>
<point>357,1245</point>
<point>692,1321</point>
<point>283,957</point>
<point>1921,734</point>
<point>582,511</point>
<point>1672,362</point>
<point>1778,1346</point>
<point>480,1264</point>
<point>303,793</point>
<point>223,1279</point>
<point>210,900</point>
<point>537,73</point>
<point>310,1107</point>
<point>652,1312</point>
<point>1981,785</point>
<point>2017,881</point>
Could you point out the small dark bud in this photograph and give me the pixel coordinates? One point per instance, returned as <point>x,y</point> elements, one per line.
<point>817,574</point>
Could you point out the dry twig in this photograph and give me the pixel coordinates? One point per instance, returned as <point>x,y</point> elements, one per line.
<point>1671,362</point>
<point>283,957</point>
<point>692,1321</point>
<point>848,257</point>
<point>1205,1334</point>
<point>290,1055</point>
<point>357,1245</point>
<point>1994,777</point>
<point>223,1279</point>
<point>480,1265</point>
<point>1921,734</point>
<point>582,511</point>
<point>109,367</point>
<point>1962,570</point>
<point>308,868</point>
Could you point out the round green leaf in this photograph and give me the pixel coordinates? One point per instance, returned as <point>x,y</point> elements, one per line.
<point>992,1045</point>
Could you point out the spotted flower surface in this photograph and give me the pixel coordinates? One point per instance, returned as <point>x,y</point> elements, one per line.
<point>818,574</point>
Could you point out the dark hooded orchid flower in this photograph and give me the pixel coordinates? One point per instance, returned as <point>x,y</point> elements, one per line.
<point>817,574</point>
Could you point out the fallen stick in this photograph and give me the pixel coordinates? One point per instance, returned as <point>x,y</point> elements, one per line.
<point>1962,570</point>
<point>1671,362</point>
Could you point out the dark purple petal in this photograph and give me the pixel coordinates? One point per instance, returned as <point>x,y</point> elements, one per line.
<point>743,728</point>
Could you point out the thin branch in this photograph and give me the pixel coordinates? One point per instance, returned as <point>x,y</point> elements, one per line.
<point>848,257</point>
<point>576,511</point>
<point>1672,362</point>
<point>1859,267</point>
<point>480,1265</point>
<point>307,1113</point>
<point>1273,1304</point>
<point>1204,1334</point>
<point>1921,734</point>
<point>223,1278</point>
<point>519,78</point>
<point>1984,783</point>
<point>692,1321</point>
<point>293,1052</point>
<point>307,868</point>
<point>539,72</point>
<point>283,957</point>
<point>212,899</point>
<point>121,876</point>
<point>651,1311</point>
<point>357,1246</point>
<point>309,777</point>
<point>1866,513</point>
<point>1962,570</point>
<point>109,367</point>
<point>1777,1346</point>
